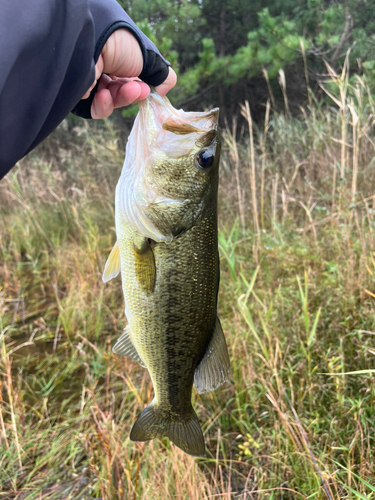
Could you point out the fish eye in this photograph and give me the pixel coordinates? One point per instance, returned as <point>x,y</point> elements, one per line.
<point>205,158</point>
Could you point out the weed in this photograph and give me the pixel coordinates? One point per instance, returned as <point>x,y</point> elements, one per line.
<point>296,302</point>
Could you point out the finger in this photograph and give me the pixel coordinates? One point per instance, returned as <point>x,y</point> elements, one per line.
<point>104,81</point>
<point>87,94</point>
<point>99,66</point>
<point>102,106</point>
<point>145,91</point>
<point>168,83</point>
<point>123,94</point>
<point>123,80</point>
<point>113,94</point>
<point>127,93</point>
<point>89,91</point>
<point>98,72</point>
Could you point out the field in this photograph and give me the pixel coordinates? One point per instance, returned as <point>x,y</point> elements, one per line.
<point>297,222</point>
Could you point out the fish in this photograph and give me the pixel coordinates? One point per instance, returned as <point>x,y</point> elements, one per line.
<point>167,253</point>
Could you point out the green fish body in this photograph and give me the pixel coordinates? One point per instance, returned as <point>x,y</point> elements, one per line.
<point>167,251</point>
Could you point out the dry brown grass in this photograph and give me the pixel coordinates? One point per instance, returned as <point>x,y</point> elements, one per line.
<point>296,303</point>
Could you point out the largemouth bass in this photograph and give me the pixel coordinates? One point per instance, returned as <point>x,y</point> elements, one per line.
<point>167,252</point>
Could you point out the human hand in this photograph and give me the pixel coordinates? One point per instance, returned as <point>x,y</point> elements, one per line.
<point>121,60</point>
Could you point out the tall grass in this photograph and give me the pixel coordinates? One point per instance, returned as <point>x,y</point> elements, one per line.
<point>296,302</point>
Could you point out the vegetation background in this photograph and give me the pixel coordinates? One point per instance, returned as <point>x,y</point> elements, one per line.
<point>295,83</point>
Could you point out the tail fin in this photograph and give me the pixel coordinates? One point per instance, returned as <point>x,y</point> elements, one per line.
<point>185,432</point>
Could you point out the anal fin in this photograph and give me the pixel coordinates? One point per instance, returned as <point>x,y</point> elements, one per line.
<point>125,347</point>
<point>213,370</point>
<point>112,266</point>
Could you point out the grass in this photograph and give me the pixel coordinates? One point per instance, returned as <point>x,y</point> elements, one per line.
<point>296,302</point>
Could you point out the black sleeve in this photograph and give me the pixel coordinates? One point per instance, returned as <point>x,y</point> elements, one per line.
<point>48,50</point>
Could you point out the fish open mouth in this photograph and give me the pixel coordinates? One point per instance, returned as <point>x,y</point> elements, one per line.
<point>178,121</point>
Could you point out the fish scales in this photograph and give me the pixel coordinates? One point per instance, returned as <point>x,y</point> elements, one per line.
<point>167,250</point>
<point>173,326</point>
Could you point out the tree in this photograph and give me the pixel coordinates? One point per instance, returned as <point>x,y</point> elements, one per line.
<point>221,48</point>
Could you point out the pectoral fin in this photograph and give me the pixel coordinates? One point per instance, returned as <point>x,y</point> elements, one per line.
<point>214,368</point>
<point>145,266</point>
<point>112,266</point>
<point>125,347</point>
